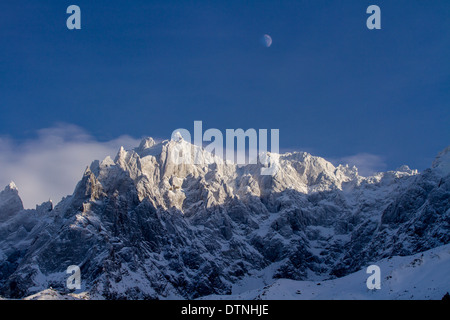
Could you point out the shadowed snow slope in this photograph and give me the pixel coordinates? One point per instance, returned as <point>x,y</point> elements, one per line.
<point>422,276</point>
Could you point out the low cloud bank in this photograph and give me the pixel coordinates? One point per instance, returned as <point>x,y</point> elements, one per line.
<point>50,165</point>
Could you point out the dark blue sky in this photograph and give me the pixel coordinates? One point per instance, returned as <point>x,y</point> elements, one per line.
<point>330,85</point>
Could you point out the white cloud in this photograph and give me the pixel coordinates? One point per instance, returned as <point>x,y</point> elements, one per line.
<point>366,163</point>
<point>50,165</point>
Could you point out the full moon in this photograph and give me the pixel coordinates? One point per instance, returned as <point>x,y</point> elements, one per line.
<point>267,40</point>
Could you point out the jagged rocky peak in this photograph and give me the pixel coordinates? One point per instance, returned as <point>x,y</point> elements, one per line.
<point>146,143</point>
<point>406,169</point>
<point>153,169</point>
<point>442,161</point>
<point>12,186</point>
<point>10,201</point>
<point>155,164</point>
<point>45,207</point>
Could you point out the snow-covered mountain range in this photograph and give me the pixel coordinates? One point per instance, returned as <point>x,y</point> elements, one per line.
<point>142,227</point>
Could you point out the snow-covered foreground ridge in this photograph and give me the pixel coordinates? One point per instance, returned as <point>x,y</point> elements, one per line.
<point>423,276</point>
<point>143,227</point>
